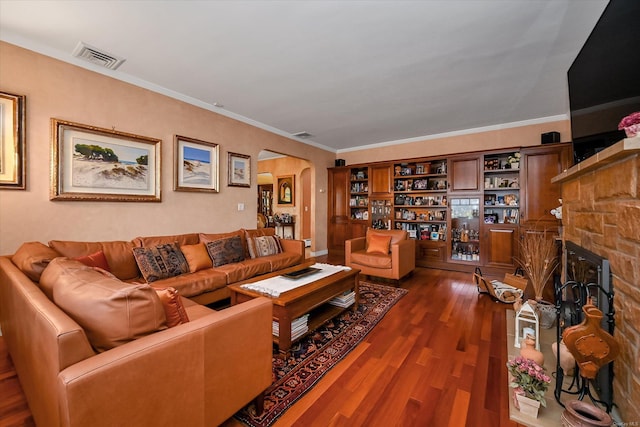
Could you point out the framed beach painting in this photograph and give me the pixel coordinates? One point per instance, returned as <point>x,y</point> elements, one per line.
<point>239,170</point>
<point>196,165</point>
<point>286,190</point>
<point>13,160</point>
<point>97,164</point>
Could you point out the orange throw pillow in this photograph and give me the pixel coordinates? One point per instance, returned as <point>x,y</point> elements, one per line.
<point>96,259</point>
<point>378,244</point>
<point>173,308</point>
<point>197,257</point>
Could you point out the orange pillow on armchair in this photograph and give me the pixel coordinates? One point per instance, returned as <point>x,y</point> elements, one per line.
<point>378,243</point>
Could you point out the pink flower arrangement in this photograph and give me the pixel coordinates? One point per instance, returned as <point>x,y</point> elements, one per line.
<point>529,377</point>
<point>630,124</point>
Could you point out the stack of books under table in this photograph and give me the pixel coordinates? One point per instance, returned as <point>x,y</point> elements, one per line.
<point>345,300</point>
<point>299,327</point>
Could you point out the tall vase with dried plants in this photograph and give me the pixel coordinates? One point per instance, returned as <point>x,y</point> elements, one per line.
<point>539,259</point>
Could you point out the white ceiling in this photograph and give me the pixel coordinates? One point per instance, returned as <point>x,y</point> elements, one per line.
<point>351,73</point>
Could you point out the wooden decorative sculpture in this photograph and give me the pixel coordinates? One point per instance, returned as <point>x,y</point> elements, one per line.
<point>591,345</point>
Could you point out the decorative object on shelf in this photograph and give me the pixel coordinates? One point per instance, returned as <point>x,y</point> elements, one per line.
<point>514,160</point>
<point>539,260</point>
<point>592,346</point>
<point>630,124</point>
<point>529,381</point>
<point>567,361</point>
<point>526,317</point>
<point>582,414</point>
<point>528,350</point>
<point>13,159</point>
<point>557,212</point>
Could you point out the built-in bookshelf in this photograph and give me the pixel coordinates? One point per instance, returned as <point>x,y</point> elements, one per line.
<point>502,188</point>
<point>359,194</point>
<point>420,199</point>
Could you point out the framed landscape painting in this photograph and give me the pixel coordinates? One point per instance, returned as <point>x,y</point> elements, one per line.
<point>97,164</point>
<point>239,170</point>
<point>13,160</point>
<point>196,165</point>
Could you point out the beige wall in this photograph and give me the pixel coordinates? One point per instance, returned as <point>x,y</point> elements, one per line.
<point>521,136</point>
<point>57,89</point>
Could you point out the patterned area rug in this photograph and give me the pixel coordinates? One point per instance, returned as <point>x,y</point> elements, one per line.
<point>313,356</point>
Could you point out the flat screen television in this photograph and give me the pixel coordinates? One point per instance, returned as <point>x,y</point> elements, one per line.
<point>604,79</point>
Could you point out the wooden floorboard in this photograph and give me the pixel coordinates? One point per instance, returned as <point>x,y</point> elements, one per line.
<point>436,359</point>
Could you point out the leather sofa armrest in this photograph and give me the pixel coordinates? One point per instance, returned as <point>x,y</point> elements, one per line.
<point>403,256</point>
<point>197,373</point>
<point>353,245</point>
<point>295,246</point>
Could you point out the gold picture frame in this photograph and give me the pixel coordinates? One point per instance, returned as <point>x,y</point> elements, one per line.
<point>13,155</point>
<point>239,170</point>
<point>97,164</point>
<point>197,165</point>
<point>286,190</point>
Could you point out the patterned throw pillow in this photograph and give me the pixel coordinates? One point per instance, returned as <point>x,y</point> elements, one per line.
<point>160,262</point>
<point>226,251</point>
<point>264,246</point>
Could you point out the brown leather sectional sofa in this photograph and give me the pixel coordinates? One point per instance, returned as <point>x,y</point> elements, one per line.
<point>197,373</point>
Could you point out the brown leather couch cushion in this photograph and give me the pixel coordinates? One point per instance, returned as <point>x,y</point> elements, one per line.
<point>376,260</point>
<point>173,307</point>
<point>97,259</point>
<point>119,255</point>
<point>396,235</point>
<point>192,284</point>
<point>379,244</point>
<point>32,258</point>
<point>197,257</point>
<point>110,311</point>
<point>182,239</point>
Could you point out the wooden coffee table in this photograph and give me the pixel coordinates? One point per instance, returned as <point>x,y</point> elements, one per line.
<point>309,299</point>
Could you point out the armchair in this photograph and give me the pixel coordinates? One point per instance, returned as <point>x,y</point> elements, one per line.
<point>382,253</point>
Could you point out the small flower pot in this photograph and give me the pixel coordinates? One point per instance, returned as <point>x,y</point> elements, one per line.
<point>528,406</point>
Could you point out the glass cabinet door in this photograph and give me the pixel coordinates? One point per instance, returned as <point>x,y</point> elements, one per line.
<point>465,229</point>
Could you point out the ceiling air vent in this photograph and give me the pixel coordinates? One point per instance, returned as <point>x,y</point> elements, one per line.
<point>303,134</point>
<point>98,57</point>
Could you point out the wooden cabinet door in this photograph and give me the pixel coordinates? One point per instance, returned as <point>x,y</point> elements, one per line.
<point>501,246</point>
<point>464,174</point>
<point>538,194</point>
<point>380,179</point>
<point>338,208</point>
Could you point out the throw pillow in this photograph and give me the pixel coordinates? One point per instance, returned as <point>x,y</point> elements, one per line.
<point>264,246</point>
<point>32,258</point>
<point>378,244</point>
<point>160,262</point>
<point>173,308</point>
<point>96,259</point>
<point>226,251</point>
<point>110,311</point>
<point>197,257</point>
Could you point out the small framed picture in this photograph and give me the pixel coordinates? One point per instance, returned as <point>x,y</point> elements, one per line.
<point>196,166</point>
<point>286,190</point>
<point>239,170</point>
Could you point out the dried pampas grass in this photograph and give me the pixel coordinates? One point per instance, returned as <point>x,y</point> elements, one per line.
<point>538,259</point>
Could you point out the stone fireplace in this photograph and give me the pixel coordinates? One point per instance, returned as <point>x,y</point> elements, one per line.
<point>601,213</point>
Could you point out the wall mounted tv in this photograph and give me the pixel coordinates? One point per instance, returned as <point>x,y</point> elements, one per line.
<point>604,79</point>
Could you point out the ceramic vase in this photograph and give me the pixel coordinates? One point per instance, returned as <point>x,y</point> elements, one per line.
<point>528,406</point>
<point>567,361</point>
<point>528,351</point>
<point>582,414</point>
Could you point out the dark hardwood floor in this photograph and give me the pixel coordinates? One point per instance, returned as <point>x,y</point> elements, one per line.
<point>436,359</point>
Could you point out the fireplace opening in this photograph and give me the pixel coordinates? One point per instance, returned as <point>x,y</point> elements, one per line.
<point>588,277</point>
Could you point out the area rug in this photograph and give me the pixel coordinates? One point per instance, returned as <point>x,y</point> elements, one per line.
<point>313,356</point>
